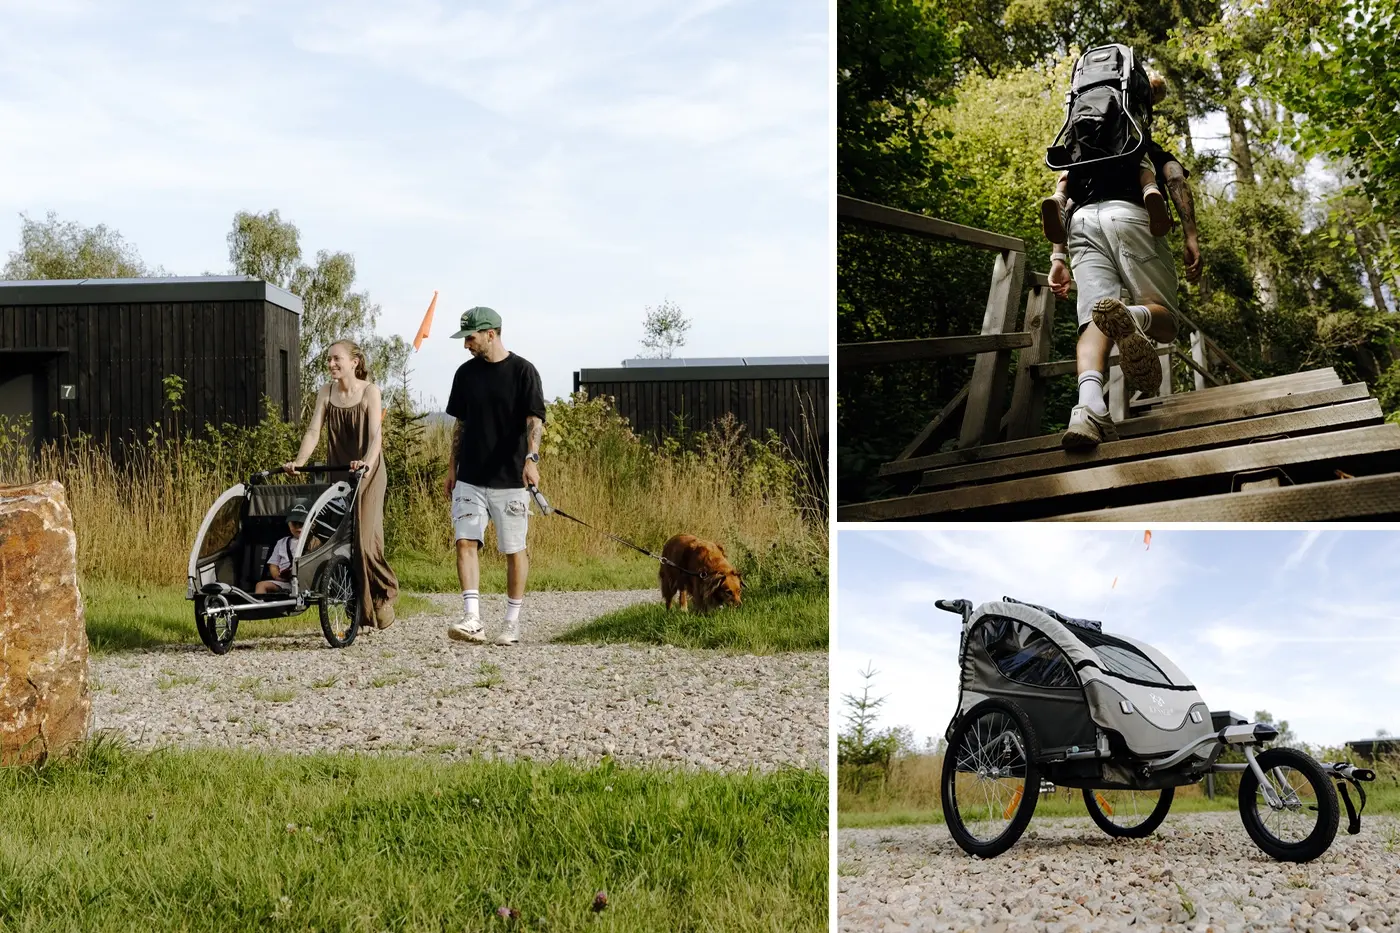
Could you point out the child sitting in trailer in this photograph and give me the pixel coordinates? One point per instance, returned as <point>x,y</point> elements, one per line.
<point>279,562</point>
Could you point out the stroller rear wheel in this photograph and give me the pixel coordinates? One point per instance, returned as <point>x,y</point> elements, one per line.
<point>990,778</point>
<point>1131,814</point>
<point>216,622</point>
<point>1304,824</point>
<point>337,602</point>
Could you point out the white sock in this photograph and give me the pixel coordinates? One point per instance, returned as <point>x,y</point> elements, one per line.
<point>1091,392</point>
<point>471,602</point>
<point>1141,315</point>
<point>513,610</point>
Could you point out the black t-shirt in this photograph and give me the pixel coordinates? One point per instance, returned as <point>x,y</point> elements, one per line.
<point>492,400</point>
<point>1116,181</point>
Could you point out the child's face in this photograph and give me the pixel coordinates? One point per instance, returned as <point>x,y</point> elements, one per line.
<point>295,528</point>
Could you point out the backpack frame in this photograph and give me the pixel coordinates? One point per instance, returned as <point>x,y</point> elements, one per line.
<point>1109,84</point>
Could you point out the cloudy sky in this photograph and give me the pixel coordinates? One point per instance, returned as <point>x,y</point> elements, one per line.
<point>1303,624</point>
<point>566,163</point>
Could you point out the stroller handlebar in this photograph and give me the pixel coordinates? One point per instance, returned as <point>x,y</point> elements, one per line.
<point>264,475</point>
<point>961,606</point>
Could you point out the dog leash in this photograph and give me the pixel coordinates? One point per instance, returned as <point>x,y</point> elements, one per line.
<point>548,509</point>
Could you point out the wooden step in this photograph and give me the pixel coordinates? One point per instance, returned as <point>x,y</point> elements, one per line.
<point>1293,424</point>
<point>1284,382</point>
<point>1358,451</point>
<point>1376,498</point>
<point>1152,423</point>
<point>1208,398</point>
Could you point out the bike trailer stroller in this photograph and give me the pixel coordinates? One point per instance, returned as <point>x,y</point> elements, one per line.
<point>1045,696</point>
<point>231,550</point>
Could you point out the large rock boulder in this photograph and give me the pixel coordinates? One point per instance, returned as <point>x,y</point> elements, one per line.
<point>44,701</point>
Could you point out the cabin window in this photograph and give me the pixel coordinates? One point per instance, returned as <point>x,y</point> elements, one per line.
<point>1124,659</point>
<point>1023,654</point>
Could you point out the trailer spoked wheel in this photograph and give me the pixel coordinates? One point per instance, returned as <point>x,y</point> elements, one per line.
<point>1304,824</point>
<point>990,779</point>
<point>215,621</point>
<point>1130,814</point>
<point>340,616</point>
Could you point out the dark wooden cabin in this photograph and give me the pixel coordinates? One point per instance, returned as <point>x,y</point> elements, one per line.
<point>786,394</point>
<point>90,356</point>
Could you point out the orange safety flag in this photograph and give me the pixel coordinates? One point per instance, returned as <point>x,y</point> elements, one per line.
<point>1114,584</point>
<point>1147,540</point>
<point>427,323</point>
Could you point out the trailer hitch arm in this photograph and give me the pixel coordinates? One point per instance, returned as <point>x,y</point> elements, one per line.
<point>1343,774</point>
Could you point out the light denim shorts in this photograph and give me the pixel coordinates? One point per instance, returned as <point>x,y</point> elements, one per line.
<point>1112,250</point>
<point>507,509</point>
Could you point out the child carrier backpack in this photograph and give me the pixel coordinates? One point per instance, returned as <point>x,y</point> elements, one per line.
<point>1108,111</point>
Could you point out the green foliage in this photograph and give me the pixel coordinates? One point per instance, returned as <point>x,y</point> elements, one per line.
<point>212,840</point>
<point>864,754</point>
<point>664,329</point>
<point>55,249</point>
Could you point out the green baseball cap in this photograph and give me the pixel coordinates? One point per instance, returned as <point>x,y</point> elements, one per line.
<point>479,318</point>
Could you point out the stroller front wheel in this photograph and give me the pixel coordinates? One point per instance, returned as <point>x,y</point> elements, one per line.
<point>1303,826</point>
<point>1128,814</point>
<point>216,622</point>
<point>337,602</point>
<point>990,778</point>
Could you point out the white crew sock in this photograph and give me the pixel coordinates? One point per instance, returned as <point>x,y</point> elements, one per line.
<point>1091,392</point>
<point>471,602</point>
<point>513,610</point>
<point>1141,315</point>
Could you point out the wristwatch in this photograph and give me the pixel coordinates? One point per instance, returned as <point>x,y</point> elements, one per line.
<point>533,456</point>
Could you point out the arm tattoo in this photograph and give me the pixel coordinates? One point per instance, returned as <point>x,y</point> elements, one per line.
<point>1181,195</point>
<point>536,428</point>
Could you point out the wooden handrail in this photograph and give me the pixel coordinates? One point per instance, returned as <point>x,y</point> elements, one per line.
<point>890,218</point>
<point>878,352</point>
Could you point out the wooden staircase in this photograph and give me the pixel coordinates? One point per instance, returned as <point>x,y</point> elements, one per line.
<point>1299,447</point>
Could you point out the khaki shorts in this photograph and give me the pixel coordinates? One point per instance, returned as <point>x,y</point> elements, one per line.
<point>1112,250</point>
<point>507,509</point>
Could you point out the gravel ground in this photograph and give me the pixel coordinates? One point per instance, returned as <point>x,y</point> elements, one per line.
<point>1200,871</point>
<point>410,689</point>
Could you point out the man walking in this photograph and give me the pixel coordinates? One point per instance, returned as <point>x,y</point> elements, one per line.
<point>499,406</point>
<point>1111,248</point>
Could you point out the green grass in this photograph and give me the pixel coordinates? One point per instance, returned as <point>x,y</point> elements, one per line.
<point>791,617</point>
<point>121,617</point>
<point>424,574</point>
<point>228,841</point>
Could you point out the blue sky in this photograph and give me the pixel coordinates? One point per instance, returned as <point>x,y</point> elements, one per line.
<point>567,164</point>
<point>1303,624</point>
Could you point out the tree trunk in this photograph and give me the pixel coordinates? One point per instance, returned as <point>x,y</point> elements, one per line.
<point>1372,277</point>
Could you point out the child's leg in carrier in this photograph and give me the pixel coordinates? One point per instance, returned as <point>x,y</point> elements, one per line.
<point>1053,211</point>
<point>1159,221</point>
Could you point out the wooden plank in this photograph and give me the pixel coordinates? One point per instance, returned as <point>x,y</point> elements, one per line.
<point>889,218</point>
<point>1038,496</point>
<point>1146,424</point>
<point>944,415</point>
<point>982,417</point>
<point>880,352</point>
<point>1200,361</point>
<point>1280,383</point>
<point>1195,401</point>
<point>1294,424</point>
<point>1367,497</point>
<point>1028,393</point>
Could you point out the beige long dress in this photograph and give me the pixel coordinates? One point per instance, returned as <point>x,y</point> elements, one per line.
<point>347,438</point>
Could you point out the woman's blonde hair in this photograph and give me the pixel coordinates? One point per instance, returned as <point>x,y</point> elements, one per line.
<point>356,354</point>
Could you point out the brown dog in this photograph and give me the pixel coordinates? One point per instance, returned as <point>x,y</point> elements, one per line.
<point>702,575</point>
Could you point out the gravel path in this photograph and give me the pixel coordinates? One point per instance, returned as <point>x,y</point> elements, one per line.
<point>1200,871</point>
<point>410,689</point>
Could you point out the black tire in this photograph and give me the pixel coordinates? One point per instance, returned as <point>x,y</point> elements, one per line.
<point>990,778</point>
<point>338,603</point>
<point>1130,814</point>
<point>1305,828</point>
<point>217,632</point>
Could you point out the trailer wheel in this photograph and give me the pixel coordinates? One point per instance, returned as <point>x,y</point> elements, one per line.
<point>1129,814</point>
<point>215,621</point>
<point>990,778</point>
<point>337,602</point>
<point>1303,827</point>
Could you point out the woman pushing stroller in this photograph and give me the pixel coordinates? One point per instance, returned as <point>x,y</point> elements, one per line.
<point>350,407</point>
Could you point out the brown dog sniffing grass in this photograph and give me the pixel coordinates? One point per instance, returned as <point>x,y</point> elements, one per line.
<point>702,574</point>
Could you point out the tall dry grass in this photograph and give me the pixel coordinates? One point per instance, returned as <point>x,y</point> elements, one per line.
<point>136,519</point>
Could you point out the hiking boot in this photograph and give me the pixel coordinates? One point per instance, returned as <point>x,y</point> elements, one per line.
<point>469,629</point>
<point>1087,429</point>
<point>510,635</point>
<point>1159,221</point>
<point>1137,354</point>
<point>1052,218</point>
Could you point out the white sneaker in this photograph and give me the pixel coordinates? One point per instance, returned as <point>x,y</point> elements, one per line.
<point>1087,429</point>
<point>510,635</point>
<point>469,629</point>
